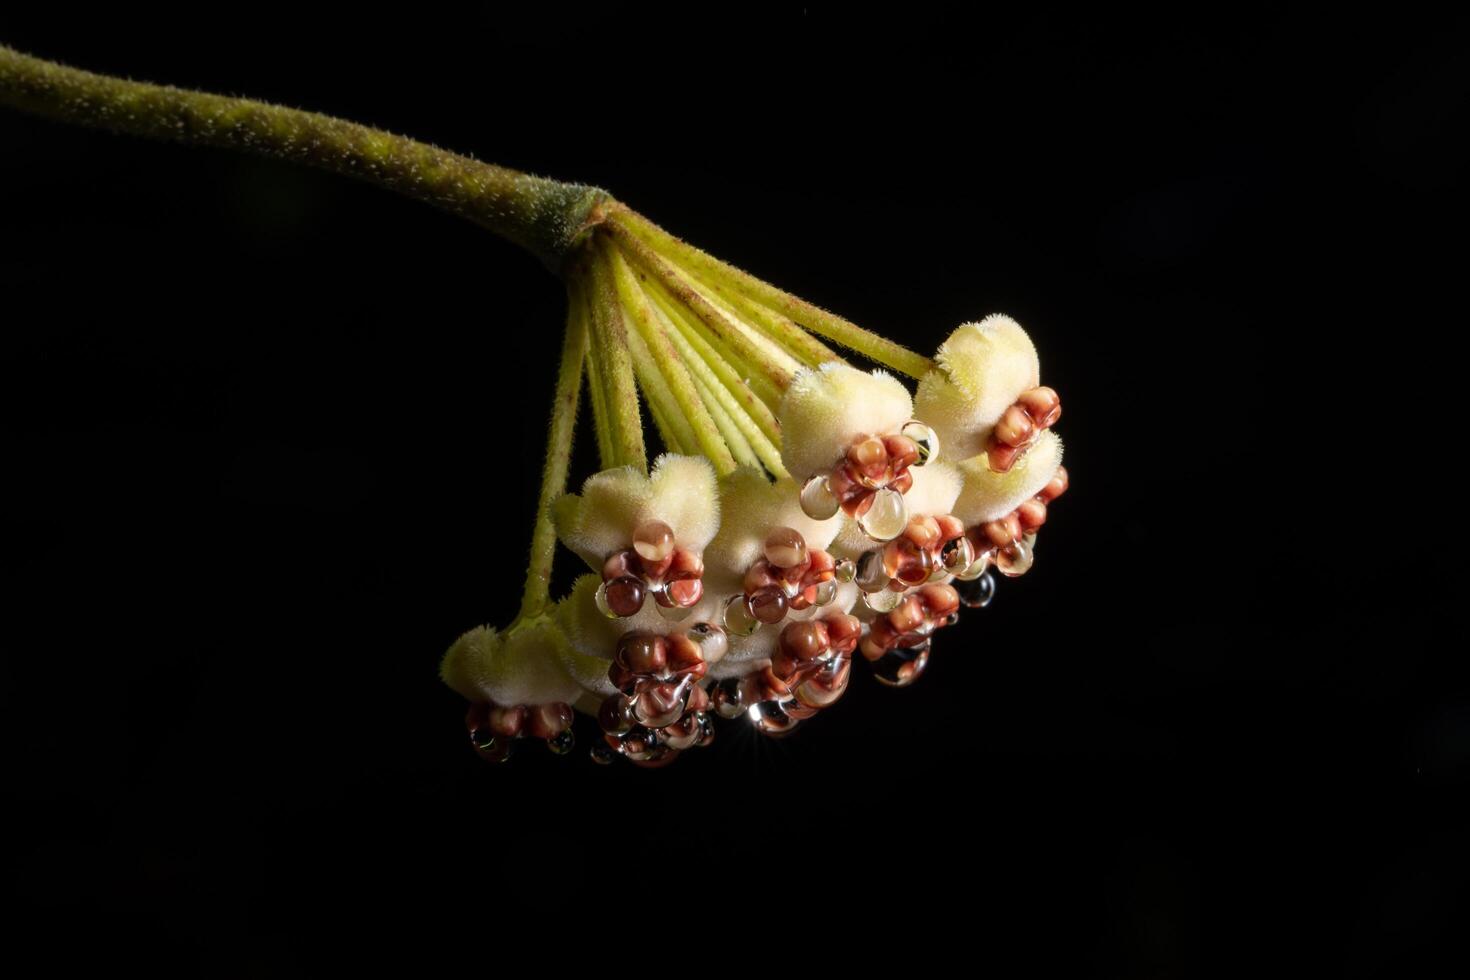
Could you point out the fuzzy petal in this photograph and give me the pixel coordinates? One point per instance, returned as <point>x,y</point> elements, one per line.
<point>983,367</point>
<point>523,667</point>
<point>989,496</point>
<point>750,507</point>
<point>827,408</point>
<point>592,635</point>
<point>681,492</point>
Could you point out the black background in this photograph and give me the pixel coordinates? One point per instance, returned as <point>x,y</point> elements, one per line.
<point>272,440</point>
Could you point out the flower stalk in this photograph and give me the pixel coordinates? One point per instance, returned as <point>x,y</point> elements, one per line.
<point>805,511</point>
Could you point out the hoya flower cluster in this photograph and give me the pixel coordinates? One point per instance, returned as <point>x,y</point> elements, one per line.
<point>806,514</point>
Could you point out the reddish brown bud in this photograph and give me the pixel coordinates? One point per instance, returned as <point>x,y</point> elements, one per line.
<point>643,653</point>
<point>1043,405</point>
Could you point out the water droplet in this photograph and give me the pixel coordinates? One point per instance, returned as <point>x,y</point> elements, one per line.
<point>826,592</point>
<point>1016,558</point>
<point>661,704</point>
<point>641,745</point>
<point>738,617</point>
<point>845,569</point>
<point>492,749</point>
<point>907,562</point>
<point>770,718</point>
<point>870,575</point>
<point>957,555</point>
<point>826,685</point>
<point>924,437</point>
<point>882,602</point>
<point>615,715</point>
<point>728,698</point>
<point>620,597</point>
<point>817,499</point>
<point>713,642</point>
<point>785,548</point>
<point>976,593</point>
<point>602,754</point>
<point>901,666</point>
<point>653,540</point>
<point>706,728</point>
<point>562,742</point>
<point>886,517</point>
<point>768,604</point>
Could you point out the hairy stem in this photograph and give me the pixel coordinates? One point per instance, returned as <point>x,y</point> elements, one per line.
<point>670,365</point>
<point>614,362</point>
<point>537,594</point>
<point>546,217</point>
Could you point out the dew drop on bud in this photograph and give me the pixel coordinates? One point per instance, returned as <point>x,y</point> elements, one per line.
<point>620,597</point>
<point>738,617</point>
<point>494,749</point>
<point>901,666</point>
<point>845,570</point>
<point>770,718</point>
<point>713,642</point>
<point>924,437</point>
<point>661,705</point>
<point>785,548</point>
<point>728,698</point>
<point>826,592</point>
<point>977,568</point>
<point>562,742</point>
<point>886,517</point>
<point>870,574</point>
<point>1016,558</point>
<point>653,540</point>
<point>817,499</point>
<point>768,605</point>
<point>957,555</point>
<point>976,593</point>
<point>884,601</point>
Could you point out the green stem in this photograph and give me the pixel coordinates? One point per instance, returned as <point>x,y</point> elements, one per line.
<point>537,594</point>
<point>870,345</point>
<point>774,364</point>
<point>708,438</point>
<point>546,217</point>
<point>613,360</point>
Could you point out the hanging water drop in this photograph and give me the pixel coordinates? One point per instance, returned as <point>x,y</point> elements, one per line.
<point>901,666</point>
<point>620,597</point>
<point>562,742</point>
<point>870,574</point>
<point>886,516</point>
<point>976,593</point>
<point>738,617</point>
<point>770,718</point>
<point>1016,558</point>
<point>817,499</point>
<point>728,697</point>
<point>882,602</point>
<point>924,437</point>
<point>957,555</point>
<point>826,592</point>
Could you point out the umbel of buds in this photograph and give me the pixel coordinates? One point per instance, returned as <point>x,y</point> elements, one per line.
<point>805,513</point>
